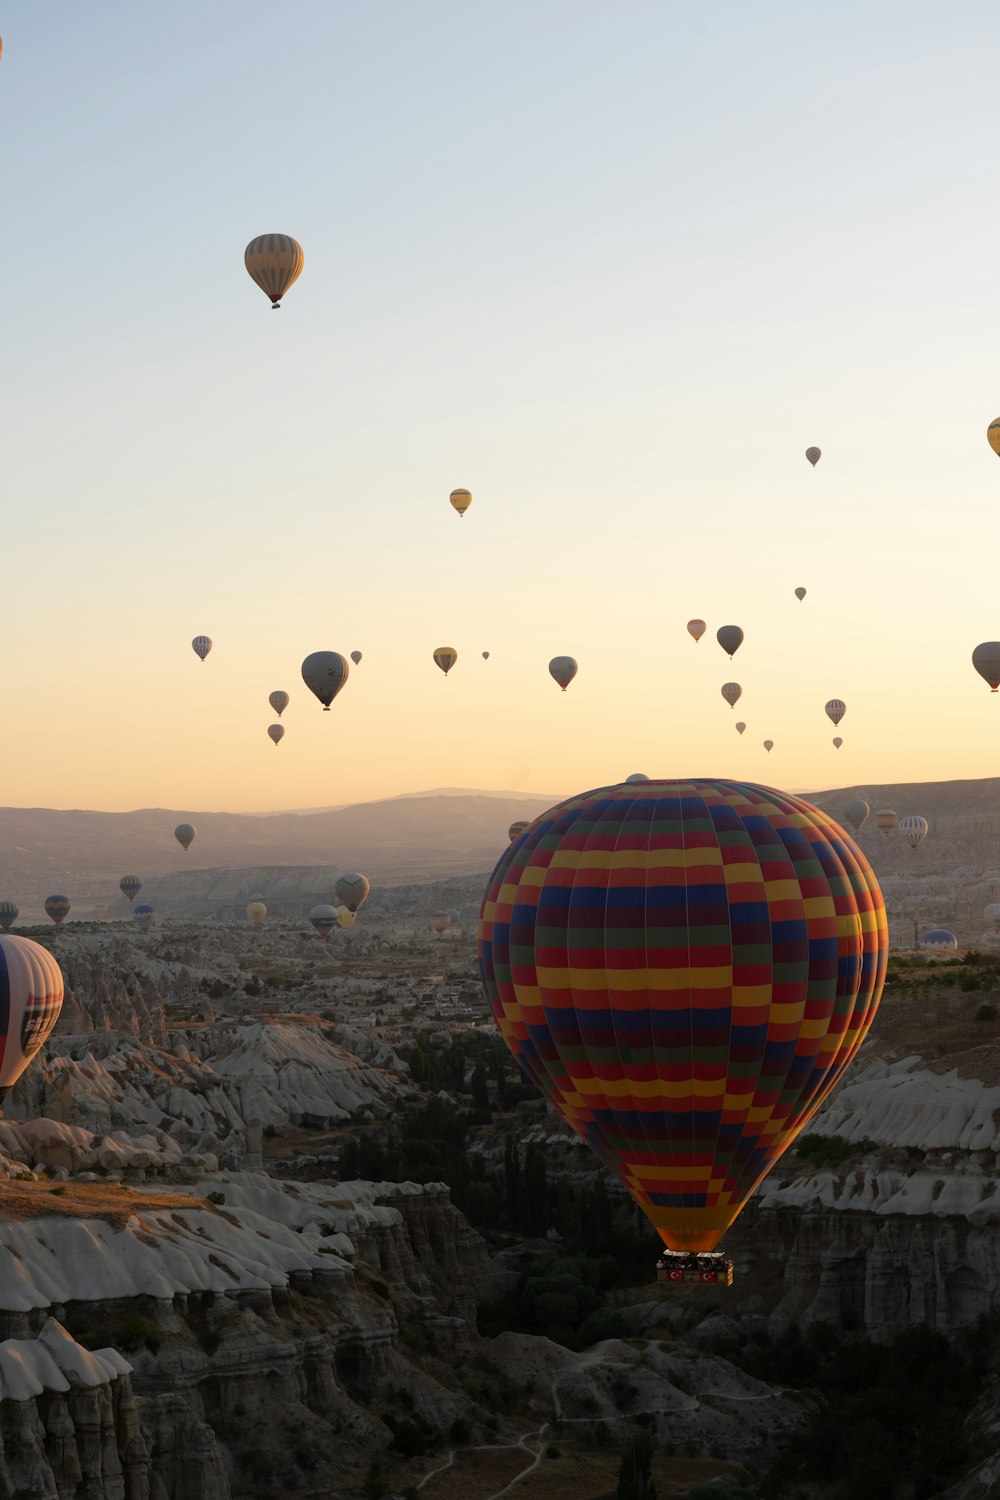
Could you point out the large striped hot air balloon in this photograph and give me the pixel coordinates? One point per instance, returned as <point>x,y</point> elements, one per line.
<point>324,919</point>
<point>274,261</point>
<point>914,829</point>
<point>8,915</point>
<point>32,986</point>
<point>685,969</point>
<point>201,646</point>
<point>130,886</point>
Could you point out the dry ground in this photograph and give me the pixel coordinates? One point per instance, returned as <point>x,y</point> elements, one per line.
<point>111,1202</point>
<point>576,1474</point>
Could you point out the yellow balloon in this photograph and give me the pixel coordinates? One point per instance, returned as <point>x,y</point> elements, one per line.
<point>446,657</point>
<point>274,261</point>
<point>461,500</point>
<point>993,436</point>
<point>344,917</point>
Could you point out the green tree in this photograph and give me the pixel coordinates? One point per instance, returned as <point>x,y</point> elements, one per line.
<point>635,1474</point>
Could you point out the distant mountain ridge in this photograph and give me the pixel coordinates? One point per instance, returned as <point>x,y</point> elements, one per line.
<point>84,854</point>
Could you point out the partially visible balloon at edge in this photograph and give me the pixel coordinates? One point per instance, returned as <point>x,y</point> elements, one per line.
<point>986,660</point>
<point>993,435</point>
<point>33,984</point>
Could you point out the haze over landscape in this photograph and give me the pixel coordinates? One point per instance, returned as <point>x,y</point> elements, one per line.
<point>500,854</point>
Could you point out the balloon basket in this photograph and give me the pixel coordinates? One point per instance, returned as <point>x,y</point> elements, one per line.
<point>676,1267</point>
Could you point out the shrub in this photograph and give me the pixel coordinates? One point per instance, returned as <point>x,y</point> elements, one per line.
<point>986,1013</point>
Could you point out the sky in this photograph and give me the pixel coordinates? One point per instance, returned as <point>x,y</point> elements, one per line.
<point>611,267</point>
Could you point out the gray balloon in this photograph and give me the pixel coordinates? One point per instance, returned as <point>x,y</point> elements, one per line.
<point>324,673</point>
<point>730,638</point>
<point>856,811</point>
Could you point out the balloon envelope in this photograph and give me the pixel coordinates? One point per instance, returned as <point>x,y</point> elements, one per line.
<point>800,594</point>
<point>986,660</point>
<point>939,940</point>
<point>201,646</point>
<point>486,656</point>
<point>352,891</point>
<point>993,435</point>
<point>732,692</point>
<point>740,726</point>
<point>837,742</point>
<point>278,701</point>
<point>32,983</point>
<point>130,886</point>
<point>461,500</point>
<point>440,921</point>
<point>814,455</point>
<point>835,710</point>
<point>696,628</point>
<point>768,745</point>
<point>256,912</point>
<point>324,918</point>
<point>276,732</point>
<point>730,638</point>
<point>686,1018</point>
<point>274,261</point>
<point>885,820</point>
<point>992,913</point>
<point>517,828</point>
<point>345,917</point>
<point>635,777</point>
<point>913,829</point>
<point>8,915</point>
<point>445,657</point>
<point>57,907</point>
<point>355,657</point>
<point>143,916</point>
<point>185,834</point>
<point>856,811</point>
<point>324,673</point>
<point>563,669</point>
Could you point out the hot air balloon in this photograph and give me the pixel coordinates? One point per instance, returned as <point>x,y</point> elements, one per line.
<point>445,657</point>
<point>185,834</point>
<point>32,983</point>
<point>913,829</point>
<point>274,261</point>
<point>563,669</point>
<point>938,940</point>
<point>635,777</point>
<point>57,907</point>
<point>769,745</point>
<point>143,916</point>
<point>885,820</point>
<point>440,921</point>
<point>835,710</point>
<point>686,1018</point>
<point>355,657</point>
<point>740,726</point>
<point>800,594</point>
<point>461,500</point>
<point>278,701</point>
<point>516,829</point>
<point>696,629</point>
<point>993,435</point>
<point>992,913</point>
<point>256,912</point>
<point>345,918</point>
<point>352,891</point>
<point>986,660</point>
<point>276,732</point>
<point>486,656</point>
<point>130,886</point>
<point>324,673</point>
<point>324,919</point>
<point>730,638</point>
<point>201,646</point>
<point>837,742</point>
<point>814,455</point>
<point>732,692</point>
<point>8,915</point>
<point>856,811</point>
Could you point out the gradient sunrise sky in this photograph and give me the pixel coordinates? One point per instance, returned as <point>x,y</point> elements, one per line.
<point>612,267</point>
